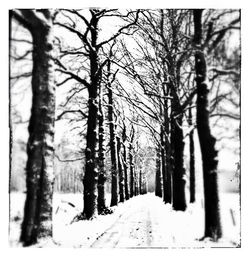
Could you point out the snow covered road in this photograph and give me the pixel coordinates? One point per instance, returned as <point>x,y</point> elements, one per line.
<point>141,222</point>
<point>147,222</point>
<point>132,229</point>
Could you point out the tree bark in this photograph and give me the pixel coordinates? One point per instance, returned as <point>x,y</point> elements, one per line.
<point>125,165</point>
<point>167,198</point>
<point>163,164</point>
<point>179,198</point>
<point>91,174</point>
<point>140,182</point>
<point>101,176</point>
<point>131,164</point>
<point>192,159</point>
<point>158,184</point>
<point>136,183</point>
<point>114,180</point>
<point>120,169</point>
<point>37,222</point>
<point>207,141</point>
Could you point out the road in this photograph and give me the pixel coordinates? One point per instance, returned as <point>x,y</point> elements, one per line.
<point>138,227</point>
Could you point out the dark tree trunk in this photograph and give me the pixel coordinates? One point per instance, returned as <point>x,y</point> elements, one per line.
<point>120,169</point>
<point>168,176</point>
<point>140,183</point>
<point>207,141</point>
<point>163,164</point>
<point>114,180</point>
<point>158,184</point>
<point>37,220</point>
<point>131,165</point>
<point>125,166</point>
<point>101,176</point>
<point>192,160</point>
<point>179,198</point>
<point>91,173</point>
<point>136,184</point>
<point>168,198</point>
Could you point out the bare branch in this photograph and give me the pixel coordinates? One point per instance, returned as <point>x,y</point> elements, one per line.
<point>120,31</point>
<point>23,75</point>
<point>74,76</point>
<point>71,111</point>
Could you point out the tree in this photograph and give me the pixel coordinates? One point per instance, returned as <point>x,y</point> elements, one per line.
<point>125,162</point>
<point>120,170</point>
<point>207,141</point>
<point>37,222</point>
<point>177,137</point>
<point>131,163</point>
<point>158,183</point>
<point>113,148</point>
<point>192,158</point>
<point>101,175</point>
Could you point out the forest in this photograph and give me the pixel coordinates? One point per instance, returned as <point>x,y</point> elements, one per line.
<point>124,127</point>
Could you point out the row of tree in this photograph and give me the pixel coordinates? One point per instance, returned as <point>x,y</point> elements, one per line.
<point>144,77</point>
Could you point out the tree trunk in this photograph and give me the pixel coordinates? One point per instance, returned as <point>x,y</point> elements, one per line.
<point>179,198</point>
<point>125,164</point>
<point>101,176</point>
<point>114,181</point>
<point>37,220</point>
<point>192,160</point>
<point>136,184</point>
<point>91,174</point>
<point>120,169</point>
<point>125,168</point>
<point>207,141</point>
<point>168,176</point>
<point>131,165</point>
<point>163,164</point>
<point>158,185</point>
<point>140,182</point>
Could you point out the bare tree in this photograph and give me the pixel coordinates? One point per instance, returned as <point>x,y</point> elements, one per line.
<point>120,170</point>
<point>158,183</point>
<point>102,174</point>
<point>192,157</point>
<point>37,221</point>
<point>131,163</point>
<point>207,141</point>
<point>125,162</point>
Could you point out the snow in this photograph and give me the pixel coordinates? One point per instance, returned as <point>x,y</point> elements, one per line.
<point>141,222</point>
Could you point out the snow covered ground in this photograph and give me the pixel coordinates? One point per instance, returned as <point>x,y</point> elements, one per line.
<point>142,222</point>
